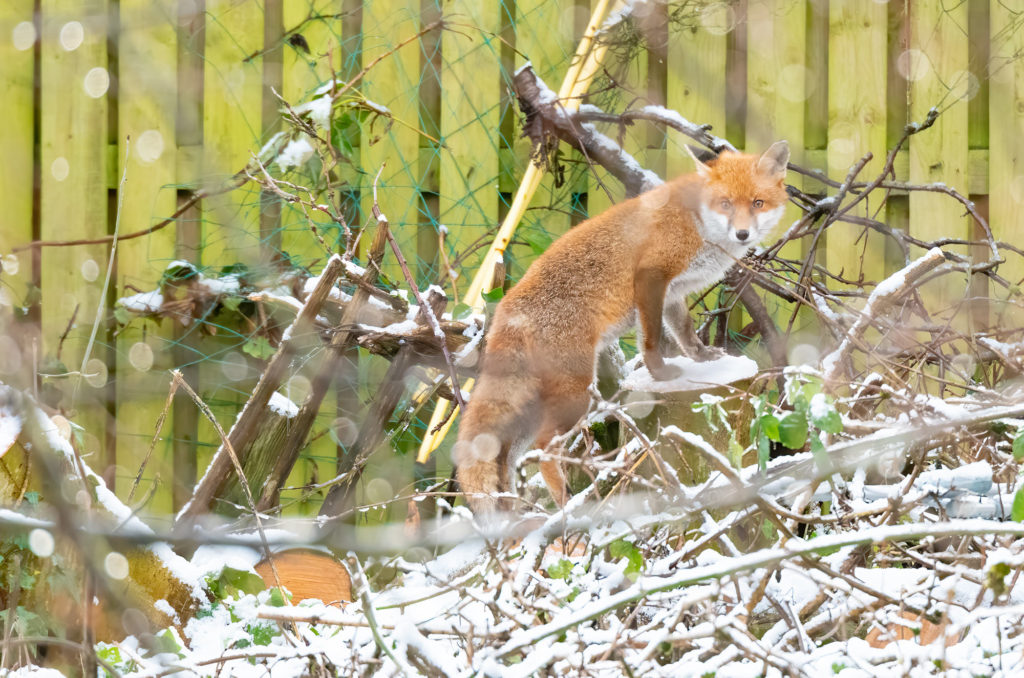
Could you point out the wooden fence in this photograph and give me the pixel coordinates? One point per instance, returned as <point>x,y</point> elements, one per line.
<point>193,82</point>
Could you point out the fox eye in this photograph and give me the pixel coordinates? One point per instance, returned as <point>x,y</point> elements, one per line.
<point>758,204</point>
<point>725,204</point>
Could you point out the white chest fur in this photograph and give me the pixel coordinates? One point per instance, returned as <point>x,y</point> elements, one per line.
<point>707,267</point>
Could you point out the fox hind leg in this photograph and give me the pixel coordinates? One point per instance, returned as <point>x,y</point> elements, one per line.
<point>563,407</point>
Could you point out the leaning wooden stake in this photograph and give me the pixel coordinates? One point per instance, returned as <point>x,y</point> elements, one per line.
<point>582,70</point>
<point>244,431</point>
<point>325,371</point>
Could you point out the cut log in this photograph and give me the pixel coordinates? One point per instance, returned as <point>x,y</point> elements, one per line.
<point>308,573</point>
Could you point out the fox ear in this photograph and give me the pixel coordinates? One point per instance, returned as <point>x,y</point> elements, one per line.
<point>702,158</point>
<point>772,162</point>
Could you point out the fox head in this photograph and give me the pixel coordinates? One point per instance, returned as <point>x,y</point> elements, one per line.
<point>742,196</point>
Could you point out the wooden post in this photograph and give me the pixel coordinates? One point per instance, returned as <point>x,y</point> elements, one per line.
<point>470,98</point>
<point>147,96</point>
<point>937,32</point>
<point>17,70</point>
<point>1006,150</point>
<point>856,123</point>
<point>74,200</point>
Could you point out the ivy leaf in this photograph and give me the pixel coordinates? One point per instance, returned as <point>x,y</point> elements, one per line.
<point>461,310</point>
<point>494,295</point>
<point>1017,512</point>
<point>735,452</point>
<point>620,548</point>
<point>560,570</point>
<point>824,415</point>
<point>258,347</point>
<point>764,448</point>
<point>770,425</point>
<point>1018,446</point>
<point>231,302</point>
<point>122,315</point>
<point>277,598</point>
<point>262,634</point>
<point>793,430</point>
<point>538,242</point>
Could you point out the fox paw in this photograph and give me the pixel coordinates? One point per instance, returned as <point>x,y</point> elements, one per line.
<point>665,372</point>
<point>703,354</point>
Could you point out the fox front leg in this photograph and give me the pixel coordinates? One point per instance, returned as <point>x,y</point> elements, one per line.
<point>680,327</point>
<point>649,289</point>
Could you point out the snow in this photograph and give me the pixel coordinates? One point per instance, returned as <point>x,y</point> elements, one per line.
<point>281,405</point>
<point>295,153</point>
<point>528,64</point>
<point>319,110</point>
<point>10,421</point>
<point>143,302</point>
<point>650,179</point>
<point>695,376</point>
<point>674,119</point>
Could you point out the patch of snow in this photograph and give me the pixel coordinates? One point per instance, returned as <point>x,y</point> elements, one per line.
<point>279,404</point>
<point>295,153</point>
<point>143,302</point>
<point>695,376</point>
<point>319,110</point>
<point>10,421</point>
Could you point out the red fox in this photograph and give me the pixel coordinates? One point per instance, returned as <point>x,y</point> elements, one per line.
<point>590,286</point>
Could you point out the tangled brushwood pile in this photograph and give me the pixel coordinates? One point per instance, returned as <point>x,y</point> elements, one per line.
<point>853,508</point>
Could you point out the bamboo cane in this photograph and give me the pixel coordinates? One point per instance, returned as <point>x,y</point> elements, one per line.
<point>582,70</point>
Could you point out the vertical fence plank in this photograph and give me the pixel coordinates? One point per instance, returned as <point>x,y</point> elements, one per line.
<point>470,97</point>
<point>232,126</point>
<point>17,46</point>
<point>696,83</point>
<point>1006,144</point>
<point>776,74</point>
<point>73,139</point>
<point>393,142</point>
<point>232,129</point>
<point>147,96</point>
<point>544,37</point>
<point>777,90</point>
<point>938,31</point>
<point>857,51</point>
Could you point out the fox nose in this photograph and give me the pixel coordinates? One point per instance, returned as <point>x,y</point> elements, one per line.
<point>742,235</point>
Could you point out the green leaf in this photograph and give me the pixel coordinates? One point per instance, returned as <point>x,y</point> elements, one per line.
<point>829,420</point>
<point>1017,513</point>
<point>793,430</point>
<point>768,530</point>
<point>232,302</point>
<point>232,581</point>
<point>770,425</point>
<point>820,454</point>
<point>32,497</point>
<point>560,570</point>
<point>122,315</point>
<point>538,241</point>
<point>620,548</point>
<point>277,598</point>
<point>110,654</point>
<point>764,448</point>
<point>461,310</point>
<point>262,634</point>
<point>259,347</point>
<point>494,295</point>
<point>1018,446</point>
<point>735,452</point>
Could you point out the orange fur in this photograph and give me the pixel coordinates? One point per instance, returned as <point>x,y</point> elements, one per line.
<point>592,284</point>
